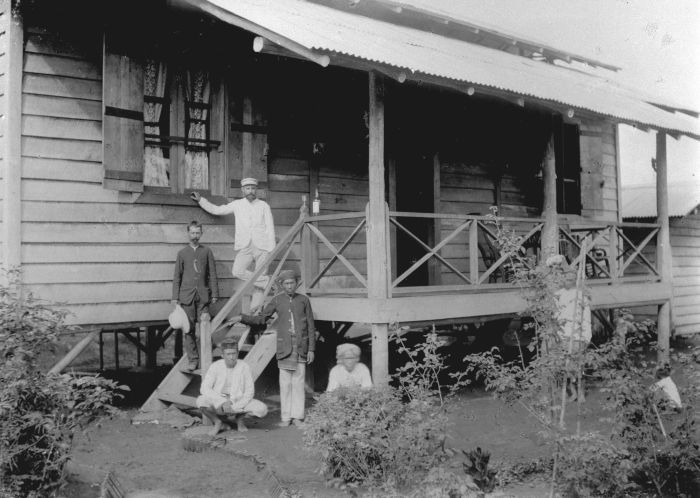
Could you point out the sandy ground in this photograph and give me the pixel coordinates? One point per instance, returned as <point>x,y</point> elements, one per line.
<point>150,457</point>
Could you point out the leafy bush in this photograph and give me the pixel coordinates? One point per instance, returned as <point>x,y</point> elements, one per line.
<point>590,466</point>
<point>39,413</point>
<point>439,482</point>
<point>369,436</point>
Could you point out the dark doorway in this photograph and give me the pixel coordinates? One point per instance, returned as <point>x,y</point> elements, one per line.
<point>414,193</point>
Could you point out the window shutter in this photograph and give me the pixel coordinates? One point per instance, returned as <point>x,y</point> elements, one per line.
<point>248,146</point>
<point>122,117</point>
<point>592,179</point>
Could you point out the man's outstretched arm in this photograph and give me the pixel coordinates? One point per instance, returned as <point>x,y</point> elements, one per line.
<point>213,208</point>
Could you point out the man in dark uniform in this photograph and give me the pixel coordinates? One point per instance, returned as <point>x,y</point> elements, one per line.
<point>296,341</point>
<point>195,286</point>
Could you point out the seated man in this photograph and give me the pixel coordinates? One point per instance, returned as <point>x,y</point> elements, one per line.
<point>228,389</point>
<point>349,372</point>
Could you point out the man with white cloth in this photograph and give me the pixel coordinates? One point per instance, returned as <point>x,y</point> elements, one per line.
<point>228,389</point>
<point>254,232</point>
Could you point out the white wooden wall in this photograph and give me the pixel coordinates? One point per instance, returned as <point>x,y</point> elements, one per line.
<point>107,258</point>
<point>4,19</point>
<point>685,247</point>
<point>603,205</point>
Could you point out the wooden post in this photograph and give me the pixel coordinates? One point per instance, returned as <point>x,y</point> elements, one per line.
<point>474,252</point>
<point>151,349</point>
<point>377,230</point>
<point>663,246</point>
<point>613,252</point>
<point>309,241</point>
<point>435,266</point>
<point>550,230</point>
<point>74,352</point>
<point>205,355</point>
<point>11,138</point>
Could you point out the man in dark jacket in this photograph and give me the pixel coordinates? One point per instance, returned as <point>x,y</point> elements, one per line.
<point>296,341</point>
<point>195,286</point>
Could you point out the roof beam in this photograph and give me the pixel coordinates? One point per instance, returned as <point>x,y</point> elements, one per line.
<point>240,22</point>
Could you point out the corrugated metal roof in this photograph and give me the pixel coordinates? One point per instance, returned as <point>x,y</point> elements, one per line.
<point>324,29</point>
<point>639,201</point>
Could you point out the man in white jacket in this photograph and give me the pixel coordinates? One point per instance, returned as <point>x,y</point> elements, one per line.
<point>254,232</point>
<point>227,391</point>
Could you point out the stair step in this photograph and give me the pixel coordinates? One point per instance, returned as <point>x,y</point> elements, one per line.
<point>180,399</point>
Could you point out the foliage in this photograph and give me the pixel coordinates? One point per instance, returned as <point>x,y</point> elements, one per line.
<point>591,466</point>
<point>39,413</point>
<point>419,377</point>
<point>667,464</point>
<point>478,468</point>
<point>388,436</point>
<point>439,482</point>
<point>369,436</point>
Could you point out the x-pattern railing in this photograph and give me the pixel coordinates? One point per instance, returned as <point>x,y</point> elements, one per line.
<point>310,223</point>
<point>474,249</point>
<point>619,251</point>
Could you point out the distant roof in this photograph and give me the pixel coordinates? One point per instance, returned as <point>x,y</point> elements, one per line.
<point>303,27</point>
<point>639,201</point>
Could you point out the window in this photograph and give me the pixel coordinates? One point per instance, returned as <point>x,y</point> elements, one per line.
<point>177,127</point>
<point>568,167</point>
<point>170,125</point>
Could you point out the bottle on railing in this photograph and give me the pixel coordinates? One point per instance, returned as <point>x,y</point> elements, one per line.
<point>316,205</point>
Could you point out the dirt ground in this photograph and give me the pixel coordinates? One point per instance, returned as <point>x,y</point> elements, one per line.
<point>149,457</point>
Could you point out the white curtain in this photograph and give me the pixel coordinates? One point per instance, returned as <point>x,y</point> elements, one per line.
<point>156,165</point>
<point>197,160</point>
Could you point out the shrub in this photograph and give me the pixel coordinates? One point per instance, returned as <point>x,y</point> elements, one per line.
<point>39,413</point>
<point>369,436</point>
<point>590,466</point>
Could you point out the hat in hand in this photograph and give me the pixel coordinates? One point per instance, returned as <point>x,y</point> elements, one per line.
<point>178,319</point>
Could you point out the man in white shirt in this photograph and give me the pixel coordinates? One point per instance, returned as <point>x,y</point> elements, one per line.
<point>254,232</point>
<point>227,391</point>
<point>349,372</point>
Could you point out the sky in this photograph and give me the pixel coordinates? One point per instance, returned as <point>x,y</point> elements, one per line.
<point>655,42</point>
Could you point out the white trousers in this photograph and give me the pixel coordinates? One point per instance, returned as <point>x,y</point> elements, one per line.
<point>240,270</point>
<point>292,394</point>
<point>254,408</point>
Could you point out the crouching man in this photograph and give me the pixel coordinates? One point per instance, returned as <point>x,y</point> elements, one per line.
<point>227,391</point>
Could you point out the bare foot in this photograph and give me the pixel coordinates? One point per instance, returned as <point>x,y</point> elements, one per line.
<point>216,429</point>
<point>241,425</point>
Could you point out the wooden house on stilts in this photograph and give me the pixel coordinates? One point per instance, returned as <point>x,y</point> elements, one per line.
<point>406,124</point>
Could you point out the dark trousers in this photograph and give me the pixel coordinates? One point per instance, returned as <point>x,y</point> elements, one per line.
<point>193,311</point>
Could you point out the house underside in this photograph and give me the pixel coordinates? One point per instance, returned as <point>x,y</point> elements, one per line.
<point>109,130</point>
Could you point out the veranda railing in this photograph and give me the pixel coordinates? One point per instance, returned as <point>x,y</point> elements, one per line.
<point>465,248</point>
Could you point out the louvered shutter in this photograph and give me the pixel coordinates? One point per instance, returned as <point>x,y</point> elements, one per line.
<point>248,144</point>
<point>122,117</point>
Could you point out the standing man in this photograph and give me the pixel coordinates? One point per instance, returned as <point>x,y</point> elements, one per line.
<point>195,286</point>
<point>296,341</point>
<point>254,232</point>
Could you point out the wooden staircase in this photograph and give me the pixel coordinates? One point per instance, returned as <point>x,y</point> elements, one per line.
<point>172,390</point>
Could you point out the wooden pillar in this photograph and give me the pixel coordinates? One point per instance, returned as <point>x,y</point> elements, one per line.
<point>663,246</point>
<point>377,230</point>
<point>309,241</point>
<point>550,231</point>
<point>11,141</point>
<point>151,348</point>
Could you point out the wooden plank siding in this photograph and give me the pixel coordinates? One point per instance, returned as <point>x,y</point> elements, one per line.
<point>4,19</point>
<point>108,258</point>
<point>685,248</point>
<point>599,188</point>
